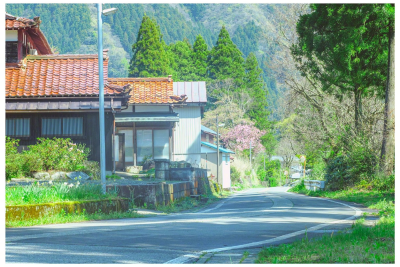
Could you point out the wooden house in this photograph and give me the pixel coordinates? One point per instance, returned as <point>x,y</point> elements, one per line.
<point>51,95</point>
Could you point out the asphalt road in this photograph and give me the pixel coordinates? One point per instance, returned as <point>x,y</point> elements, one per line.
<point>250,219</point>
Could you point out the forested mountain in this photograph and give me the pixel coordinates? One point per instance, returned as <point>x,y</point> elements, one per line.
<point>72,28</point>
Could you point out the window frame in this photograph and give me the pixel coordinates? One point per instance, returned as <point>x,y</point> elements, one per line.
<point>62,126</point>
<point>13,43</point>
<point>14,127</point>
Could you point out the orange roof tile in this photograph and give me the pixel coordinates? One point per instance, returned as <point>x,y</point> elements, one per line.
<point>148,90</point>
<point>33,30</point>
<point>14,23</point>
<point>58,75</point>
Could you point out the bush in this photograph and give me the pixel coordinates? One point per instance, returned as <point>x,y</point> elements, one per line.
<point>58,154</point>
<point>13,159</point>
<point>272,173</point>
<point>235,175</point>
<point>273,181</point>
<point>347,171</point>
<point>48,154</point>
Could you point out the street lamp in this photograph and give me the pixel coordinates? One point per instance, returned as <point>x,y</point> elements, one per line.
<point>101,92</point>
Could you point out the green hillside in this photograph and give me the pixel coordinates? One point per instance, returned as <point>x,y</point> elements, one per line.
<point>72,28</point>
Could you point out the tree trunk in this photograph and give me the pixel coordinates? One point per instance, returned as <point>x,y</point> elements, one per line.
<point>358,109</point>
<point>387,152</point>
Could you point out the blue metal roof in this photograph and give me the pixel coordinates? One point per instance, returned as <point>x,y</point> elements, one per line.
<point>208,130</point>
<point>223,150</point>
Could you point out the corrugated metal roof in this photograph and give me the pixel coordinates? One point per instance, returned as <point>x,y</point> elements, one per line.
<point>208,130</point>
<point>221,149</point>
<point>195,91</point>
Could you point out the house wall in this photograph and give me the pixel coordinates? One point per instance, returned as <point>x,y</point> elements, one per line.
<point>209,162</point>
<point>11,35</point>
<point>187,135</point>
<point>90,137</point>
<point>205,137</point>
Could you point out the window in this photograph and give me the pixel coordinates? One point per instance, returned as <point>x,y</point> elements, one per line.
<point>152,143</point>
<point>161,144</point>
<point>18,127</point>
<point>11,52</point>
<point>69,126</point>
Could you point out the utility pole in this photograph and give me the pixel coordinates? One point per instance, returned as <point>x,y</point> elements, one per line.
<point>250,154</point>
<point>217,151</point>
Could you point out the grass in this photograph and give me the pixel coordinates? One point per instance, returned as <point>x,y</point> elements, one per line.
<point>70,218</point>
<point>57,192</point>
<point>363,245</point>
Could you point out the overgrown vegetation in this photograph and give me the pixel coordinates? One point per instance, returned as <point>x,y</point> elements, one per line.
<point>64,217</point>
<point>36,193</point>
<point>48,154</point>
<point>362,245</point>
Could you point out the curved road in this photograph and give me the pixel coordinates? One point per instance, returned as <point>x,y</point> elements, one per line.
<point>252,218</point>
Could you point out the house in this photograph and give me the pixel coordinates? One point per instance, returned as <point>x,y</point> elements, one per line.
<point>51,95</point>
<point>158,124</point>
<point>209,157</point>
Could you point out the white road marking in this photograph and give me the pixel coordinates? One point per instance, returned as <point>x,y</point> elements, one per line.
<point>279,238</point>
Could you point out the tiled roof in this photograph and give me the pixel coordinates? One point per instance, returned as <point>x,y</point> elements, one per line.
<point>58,75</point>
<point>33,30</point>
<point>14,23</point>
<point>148,90</point>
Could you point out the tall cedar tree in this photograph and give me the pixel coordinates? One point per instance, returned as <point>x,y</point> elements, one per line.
<point>182,65</point>
<point>258,111</point>
<point>149,57</point>
<point>200,56</point>
<point>256,88</point>
<point>342,47</point>
<point>226,60</point>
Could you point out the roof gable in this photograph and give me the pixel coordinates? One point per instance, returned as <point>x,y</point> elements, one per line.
<point>58,75</point>
<point>32,29</point>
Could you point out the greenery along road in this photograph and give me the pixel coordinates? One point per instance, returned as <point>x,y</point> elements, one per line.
<point>222,226</point>
<point>365,244</point>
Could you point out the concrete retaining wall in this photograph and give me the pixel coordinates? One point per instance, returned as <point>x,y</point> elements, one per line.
<point>35,211</point>
<point>314,185</point>
<point>162,193</point>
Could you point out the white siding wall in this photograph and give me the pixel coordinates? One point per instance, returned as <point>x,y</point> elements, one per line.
<point>187,135</point>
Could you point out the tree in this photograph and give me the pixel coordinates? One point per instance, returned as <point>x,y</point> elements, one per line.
<point>226,60</point>
<point>256,88</point>
<point>387,151</point>
<point>181,61</point>
<point>241,136</point>
<point>200,56</point>
<point>342,47</point>
<point>149,57</point>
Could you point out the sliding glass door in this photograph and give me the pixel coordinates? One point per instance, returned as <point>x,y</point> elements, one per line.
<point>152,144</point>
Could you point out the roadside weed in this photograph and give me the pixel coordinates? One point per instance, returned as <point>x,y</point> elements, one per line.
<point>362,245</point>
<point>64,217</point>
